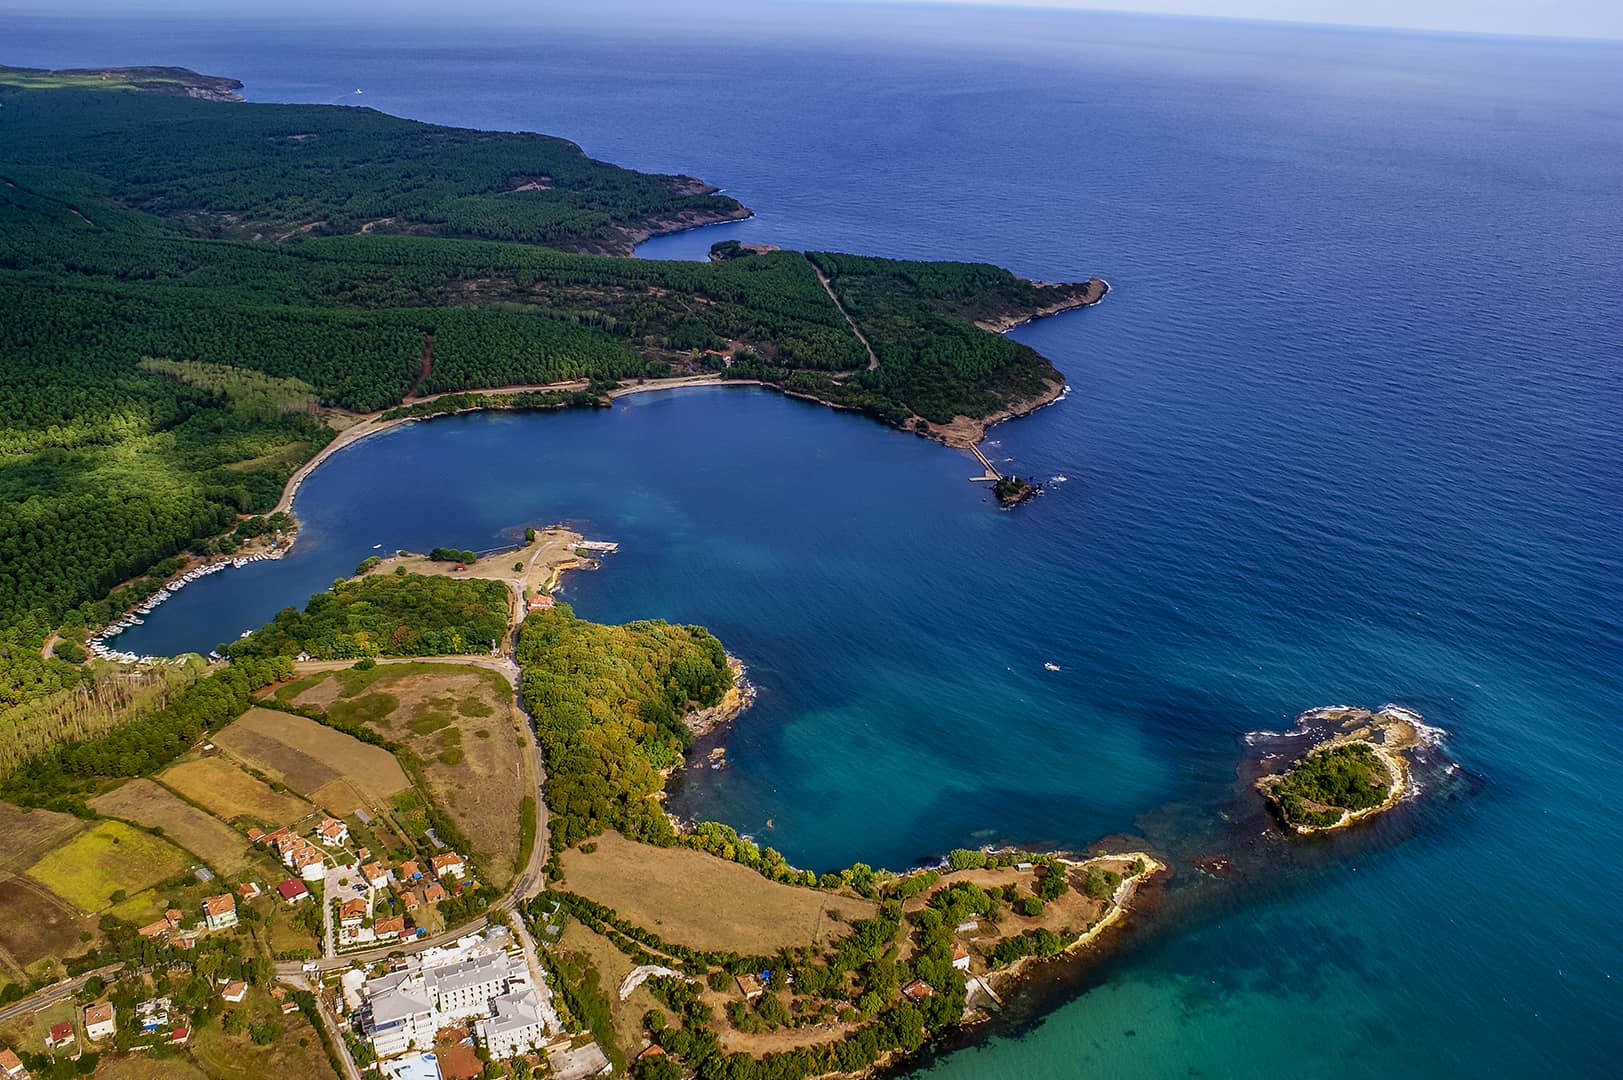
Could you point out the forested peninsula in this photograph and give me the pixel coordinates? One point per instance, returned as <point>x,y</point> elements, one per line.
<point>356,262</point>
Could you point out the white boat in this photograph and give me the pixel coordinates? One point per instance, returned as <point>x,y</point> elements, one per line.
<point>1050,665</point>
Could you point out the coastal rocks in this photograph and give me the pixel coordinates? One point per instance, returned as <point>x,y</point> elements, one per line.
<point>702,722</point>
<point>1359,767</point>
<point>1013,490</point>
<point>1067,296</point>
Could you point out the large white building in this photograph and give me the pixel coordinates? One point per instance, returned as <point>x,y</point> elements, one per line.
<point>466,989</point>
<point>515,1026</point>
<point>399,1014</point>
<point>404,1009</point>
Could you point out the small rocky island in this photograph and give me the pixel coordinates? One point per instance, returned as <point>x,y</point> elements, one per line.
<point>1013,490</point>
<point>1356,772</point>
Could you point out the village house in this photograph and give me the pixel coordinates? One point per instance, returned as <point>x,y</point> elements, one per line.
<point>540,603</point>
<point>234,991</point>
<point>59,1036</point>
<point>248,890</point>
<point>917,990</point>
<point>283,840</point>
<point>960,958</point>
<point>180,1036</point>
<point>448,866</point>
<point>99,1021</point>
<point>332,832</point>
<point>410,900</point>
<point>156,931</point>
<point>434,893</point>
<point>256,835</point>
<point>376,876</point>
<point>410,871</point>
<point>750,986</point>
<point>308,862</point>
<point>11,1066</point>
<point>292,890</point>
<point>153,1014</point>
<point>389,928</point>
<point>220,912</point>
<point>173,917</point>
<point>352,912</point>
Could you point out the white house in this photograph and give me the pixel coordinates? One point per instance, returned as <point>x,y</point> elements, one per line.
<point>100,1022</point>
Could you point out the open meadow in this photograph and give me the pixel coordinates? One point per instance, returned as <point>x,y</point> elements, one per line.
<point>149,804</point>
<point>459,721</point>
<point>237,1057</point>
<point>107,859</point>
<point>690,898</point>
<point>337,772</point>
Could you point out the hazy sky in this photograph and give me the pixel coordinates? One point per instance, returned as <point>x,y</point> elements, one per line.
<point>1559,18</point>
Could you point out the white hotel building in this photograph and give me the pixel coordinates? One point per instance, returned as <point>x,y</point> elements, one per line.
<point>404,1009</point>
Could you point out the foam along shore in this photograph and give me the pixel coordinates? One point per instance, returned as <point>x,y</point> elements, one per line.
<point>1390,734</point>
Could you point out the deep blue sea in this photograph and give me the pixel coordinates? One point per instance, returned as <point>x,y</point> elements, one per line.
<point>1348,429</point>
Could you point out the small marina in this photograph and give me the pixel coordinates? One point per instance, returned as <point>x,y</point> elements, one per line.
<point>98,645</point>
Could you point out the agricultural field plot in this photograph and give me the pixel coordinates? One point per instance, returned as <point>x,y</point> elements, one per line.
<point>148,804</point>
<point>110,857</point>
<point>335,771</point>
<point>25,835</point>
<point>37,924</point>
<point>222,788</point>
<point>459,721</point>
<point>690,898</point>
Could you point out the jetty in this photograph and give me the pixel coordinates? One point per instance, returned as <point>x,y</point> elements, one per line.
<point>992,475</point>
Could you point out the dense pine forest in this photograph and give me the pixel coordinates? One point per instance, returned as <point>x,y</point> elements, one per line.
<point>193,287</point>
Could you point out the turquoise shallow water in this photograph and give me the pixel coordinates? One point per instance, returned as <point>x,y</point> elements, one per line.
<point>1348,429</point>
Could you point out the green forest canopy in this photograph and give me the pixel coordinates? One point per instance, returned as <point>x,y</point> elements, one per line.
<point>170,319</point>
<point>608,703</point>
<point>1346,777</point>
<point>387,615</point>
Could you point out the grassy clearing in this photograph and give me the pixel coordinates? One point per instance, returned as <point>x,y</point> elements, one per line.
<point>25,835</point>
<point>225,790</point>
<point>37,925</point>
<point>147,1067</point>
<point>149,804</point>
<point>699,900</point>
<point>612,967</point>
<point>312,759</point>
<point>236,1057</point>
<point>107,858</point>
<point>458,720</point>
<point>142,908</point>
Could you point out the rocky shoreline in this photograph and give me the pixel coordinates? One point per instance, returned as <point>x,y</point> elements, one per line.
<point>1390,733</point>
<point>1093,291</point>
